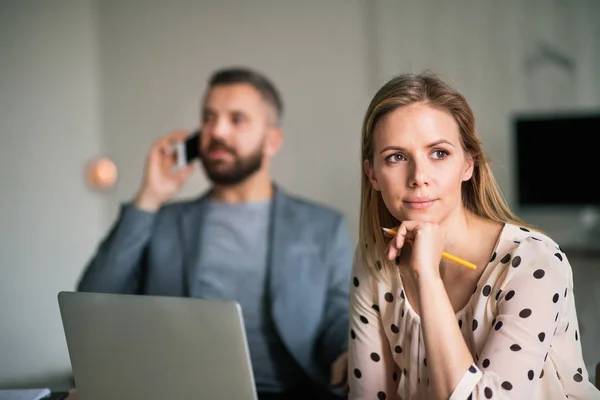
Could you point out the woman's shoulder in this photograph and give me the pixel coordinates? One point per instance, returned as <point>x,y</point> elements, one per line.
<point>527,240</point>
<point>524,251</point>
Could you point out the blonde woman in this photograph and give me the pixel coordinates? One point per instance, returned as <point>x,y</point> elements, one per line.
<point>423,326</point>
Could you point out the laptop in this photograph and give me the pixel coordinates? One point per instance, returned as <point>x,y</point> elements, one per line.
<point>140,347</point>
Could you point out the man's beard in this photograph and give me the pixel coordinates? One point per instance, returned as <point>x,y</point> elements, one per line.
<point>241,169</point>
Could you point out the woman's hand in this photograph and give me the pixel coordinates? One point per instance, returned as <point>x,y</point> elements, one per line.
<point>427,244</point>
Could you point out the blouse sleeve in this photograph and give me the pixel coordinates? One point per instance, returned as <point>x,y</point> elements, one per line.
<point>371,373</point>
<point>529,309</point>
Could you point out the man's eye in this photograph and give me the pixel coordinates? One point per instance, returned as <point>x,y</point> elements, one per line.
<point>237,119</point>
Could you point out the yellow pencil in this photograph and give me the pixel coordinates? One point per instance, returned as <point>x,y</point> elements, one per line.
<point>448,256</point>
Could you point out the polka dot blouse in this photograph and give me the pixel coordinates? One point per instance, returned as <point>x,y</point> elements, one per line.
<point>520,325</point>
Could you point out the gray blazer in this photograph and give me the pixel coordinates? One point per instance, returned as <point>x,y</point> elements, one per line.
<point>309,277</point>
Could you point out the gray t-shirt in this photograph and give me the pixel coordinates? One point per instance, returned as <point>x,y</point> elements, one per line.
<point>234,253</point>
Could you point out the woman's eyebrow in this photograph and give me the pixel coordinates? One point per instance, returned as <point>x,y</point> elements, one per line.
<point>430,145</point>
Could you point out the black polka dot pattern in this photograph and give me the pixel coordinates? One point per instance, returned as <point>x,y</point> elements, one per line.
<point>525,313</point>
<point>539,274</point>
<point>488,393</point>
<point>508,304</point>
<point>516,262</point>
<point>487,289</point>
<point>542,336</point>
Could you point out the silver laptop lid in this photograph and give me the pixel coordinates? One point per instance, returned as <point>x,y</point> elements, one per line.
<point>139,347</point>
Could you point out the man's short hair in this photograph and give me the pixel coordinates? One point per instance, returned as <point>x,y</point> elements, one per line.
<point>268,91</point>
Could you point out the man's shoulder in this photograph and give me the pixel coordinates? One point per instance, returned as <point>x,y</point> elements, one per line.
<point>179,206</point>
<point>318,209</point>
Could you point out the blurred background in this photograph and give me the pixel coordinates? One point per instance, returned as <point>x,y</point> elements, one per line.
<point>81,79</point>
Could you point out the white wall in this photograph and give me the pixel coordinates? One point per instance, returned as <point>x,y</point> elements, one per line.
<point>155,60</point>
<point>48,220</point>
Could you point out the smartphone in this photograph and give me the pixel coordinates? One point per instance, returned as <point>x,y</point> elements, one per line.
<point>188,151</point>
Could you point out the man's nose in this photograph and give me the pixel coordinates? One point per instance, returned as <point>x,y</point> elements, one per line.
<point>221,129</point>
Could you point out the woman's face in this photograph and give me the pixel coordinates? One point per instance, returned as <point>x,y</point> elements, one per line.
<point>419,164</point>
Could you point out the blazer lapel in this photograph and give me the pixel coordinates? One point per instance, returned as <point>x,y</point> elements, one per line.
<point>190,230</point>
<point>285,283</point>
<point>281,225</point>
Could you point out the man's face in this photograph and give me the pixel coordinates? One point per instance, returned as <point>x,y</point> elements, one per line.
<point>236,124</point>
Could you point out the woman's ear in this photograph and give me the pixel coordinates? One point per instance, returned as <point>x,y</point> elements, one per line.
<point>469,166</point>
<point>370,172</point>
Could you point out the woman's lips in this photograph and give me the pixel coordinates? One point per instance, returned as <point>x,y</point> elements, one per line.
<point>419,204</point>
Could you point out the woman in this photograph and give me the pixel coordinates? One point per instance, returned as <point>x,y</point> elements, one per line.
<point>423,326</point>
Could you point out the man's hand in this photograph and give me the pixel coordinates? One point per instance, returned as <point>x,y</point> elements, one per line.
<point>339,373</point>
<point>161,179</point>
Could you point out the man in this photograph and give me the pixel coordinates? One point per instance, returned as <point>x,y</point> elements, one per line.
<point>286,260</point>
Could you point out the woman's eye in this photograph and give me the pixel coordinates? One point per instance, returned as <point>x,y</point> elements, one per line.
<point>395,158</point>
<point>439,154</point>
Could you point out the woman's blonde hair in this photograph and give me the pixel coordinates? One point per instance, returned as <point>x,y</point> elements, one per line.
<point>480,194</point>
